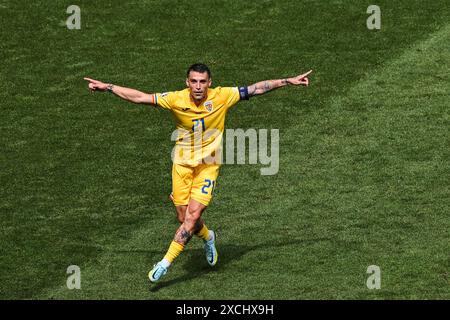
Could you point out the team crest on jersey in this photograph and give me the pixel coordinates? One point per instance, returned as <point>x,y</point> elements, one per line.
<point>209,106</point>
<point>164,94</point>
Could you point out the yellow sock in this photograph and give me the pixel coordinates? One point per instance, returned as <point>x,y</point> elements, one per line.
<point>203,233</point>
<point>174,251</point>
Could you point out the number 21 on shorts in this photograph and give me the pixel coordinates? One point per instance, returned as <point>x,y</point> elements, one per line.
<point>208,184</point>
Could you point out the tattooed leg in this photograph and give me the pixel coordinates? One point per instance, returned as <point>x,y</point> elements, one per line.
<point>198,225</point>
<point>182,236</point>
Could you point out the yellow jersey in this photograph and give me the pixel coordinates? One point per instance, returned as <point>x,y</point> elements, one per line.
<point>199,128</point>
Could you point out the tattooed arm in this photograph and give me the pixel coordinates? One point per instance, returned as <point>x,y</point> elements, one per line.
<point>268,85</point>
<point>128,94</point>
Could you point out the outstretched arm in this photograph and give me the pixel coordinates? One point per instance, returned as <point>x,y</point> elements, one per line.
<point>127,94</point>
<point>268,85</point>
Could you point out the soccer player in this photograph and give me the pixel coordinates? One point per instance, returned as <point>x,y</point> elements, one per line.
<point>199,112</point>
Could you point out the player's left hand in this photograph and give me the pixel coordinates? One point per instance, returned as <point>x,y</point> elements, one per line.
<point>300,80</point>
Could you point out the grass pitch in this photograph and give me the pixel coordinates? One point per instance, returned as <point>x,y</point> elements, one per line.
<point>364,151</point>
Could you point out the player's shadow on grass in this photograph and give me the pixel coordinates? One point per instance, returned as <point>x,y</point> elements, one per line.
<point>196,266</point>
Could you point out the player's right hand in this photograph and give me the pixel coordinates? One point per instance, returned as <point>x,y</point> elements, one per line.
<point>96,85</point>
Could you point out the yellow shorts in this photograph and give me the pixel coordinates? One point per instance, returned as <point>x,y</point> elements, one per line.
<point>196,183</point>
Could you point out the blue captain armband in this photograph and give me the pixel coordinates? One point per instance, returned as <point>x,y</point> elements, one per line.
<point>243,93</point>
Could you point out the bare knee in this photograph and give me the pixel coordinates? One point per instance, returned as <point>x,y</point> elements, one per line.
<point>193,215</point>
<point>181,213</point>
<point>192,219</point>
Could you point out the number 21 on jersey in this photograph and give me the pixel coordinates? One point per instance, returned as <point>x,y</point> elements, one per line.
<point>197,124</point>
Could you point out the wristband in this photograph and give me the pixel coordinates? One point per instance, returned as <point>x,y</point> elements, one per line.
<point>110,87</point>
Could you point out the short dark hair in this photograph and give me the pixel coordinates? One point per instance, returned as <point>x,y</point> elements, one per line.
<point>199,67</point>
